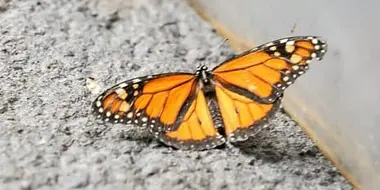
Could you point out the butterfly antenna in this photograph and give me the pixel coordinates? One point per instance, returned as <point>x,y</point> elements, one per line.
<point>215,49</point>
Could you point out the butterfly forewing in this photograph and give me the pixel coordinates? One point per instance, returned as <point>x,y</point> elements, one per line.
<point>263,73</point>
<point>155,101</point>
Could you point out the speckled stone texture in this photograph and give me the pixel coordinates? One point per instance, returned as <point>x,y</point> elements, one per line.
<point>50,140</point>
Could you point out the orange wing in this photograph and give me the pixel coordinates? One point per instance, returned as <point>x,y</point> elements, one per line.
<point>263,73</point>
<point>242,116</point>
<point>197,130</point>
<point>159,101</point>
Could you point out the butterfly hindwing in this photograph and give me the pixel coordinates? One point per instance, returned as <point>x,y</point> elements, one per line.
<point>154,101</point>
<point>197,130</point>
<point>242,116</point>
<point>263,73</point>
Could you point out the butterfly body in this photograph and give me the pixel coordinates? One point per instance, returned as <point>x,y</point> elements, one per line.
<point>210,107</point>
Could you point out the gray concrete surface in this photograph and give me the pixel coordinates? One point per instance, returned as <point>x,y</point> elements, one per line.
<point>49,139</point>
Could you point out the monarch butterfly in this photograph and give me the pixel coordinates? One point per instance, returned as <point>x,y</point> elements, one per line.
<point>210,107</point>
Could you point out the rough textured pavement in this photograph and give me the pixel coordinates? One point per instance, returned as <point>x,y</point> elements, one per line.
<point>49,139</point>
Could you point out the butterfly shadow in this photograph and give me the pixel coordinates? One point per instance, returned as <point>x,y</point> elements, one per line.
<point>143,137</point>
<point>137,134</point>
<point>269,145</point>
<point>272,147</point>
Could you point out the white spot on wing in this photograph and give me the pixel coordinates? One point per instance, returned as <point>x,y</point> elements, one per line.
<point>269,44</point>
<point>290,43</point>
<point>122,85</point>
<point>273,48</point>
<point>284,40</point>
<point>136,80</point>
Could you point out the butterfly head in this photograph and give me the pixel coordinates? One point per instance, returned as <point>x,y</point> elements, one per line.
<point>203,74</point>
